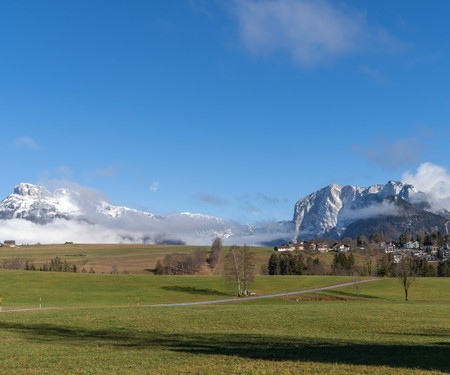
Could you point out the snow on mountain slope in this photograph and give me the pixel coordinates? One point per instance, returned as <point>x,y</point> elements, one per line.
<point>36,204</point>
<point>332,208</point>
<point>93,219</point>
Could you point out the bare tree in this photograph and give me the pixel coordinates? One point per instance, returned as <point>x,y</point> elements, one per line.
<point>214,255</point>
<point>369,254</point>
<point>240,267</point>
<point>16,263</point>
<point>356,281</point>
<point>184,263</point>
<point>405,273</point>
<point>248,266</point>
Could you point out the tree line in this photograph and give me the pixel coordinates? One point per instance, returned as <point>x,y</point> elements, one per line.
<point>189,263</point>
<point>294,263</point>
<point>52,265</point>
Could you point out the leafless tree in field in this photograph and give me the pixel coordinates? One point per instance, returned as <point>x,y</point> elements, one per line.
<point>405,273</point>
<point>240,267</point>
<point>214,255</point>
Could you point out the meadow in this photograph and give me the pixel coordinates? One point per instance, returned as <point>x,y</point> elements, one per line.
<point>96,332</point>
<point>132,258</point>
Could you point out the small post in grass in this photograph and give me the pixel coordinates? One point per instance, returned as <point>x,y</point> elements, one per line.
<point>1,303</point>
<point>128,301</point>
<point>40,302</point>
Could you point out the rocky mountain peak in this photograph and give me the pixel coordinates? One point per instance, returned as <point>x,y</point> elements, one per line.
<point>329,211</point>
<point>25,189</point>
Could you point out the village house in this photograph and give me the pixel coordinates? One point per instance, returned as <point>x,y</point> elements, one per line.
<point>290,246</point>
<point>9,243</point>
<point>412,245</point>
<point>284,247</point>
<point>340,248</point>
<point>322,248</point>
<point>418,253</point>
<point>433,249</point>
<point>299,246</point>
<point>390,248</point>
<point>312,246</point>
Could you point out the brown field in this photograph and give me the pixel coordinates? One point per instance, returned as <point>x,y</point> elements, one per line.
<point>132,258</point>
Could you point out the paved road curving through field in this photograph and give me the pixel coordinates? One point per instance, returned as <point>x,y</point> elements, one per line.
<point>265,296</point>
<point>216,301</point>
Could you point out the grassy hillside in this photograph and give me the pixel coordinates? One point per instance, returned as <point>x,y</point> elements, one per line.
<point>378,334</point>
<point>136,259</point>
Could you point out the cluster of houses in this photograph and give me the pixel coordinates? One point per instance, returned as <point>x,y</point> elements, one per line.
<point>8,243</point>
<point>430,253</point>
<point>320,247</point>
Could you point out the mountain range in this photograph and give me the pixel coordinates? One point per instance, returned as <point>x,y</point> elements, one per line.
<point>33,214</point>
<point>338,211</point>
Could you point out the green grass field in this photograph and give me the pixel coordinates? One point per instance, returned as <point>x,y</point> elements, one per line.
<point>24,288</point>
<point>333,331</point>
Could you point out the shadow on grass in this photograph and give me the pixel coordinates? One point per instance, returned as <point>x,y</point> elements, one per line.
<point>192,290</point>
<point>353,295</point>
<point>250,346</point>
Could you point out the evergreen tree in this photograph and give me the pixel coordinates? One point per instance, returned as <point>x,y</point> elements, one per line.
<point>274,264</point>
<point>443,269</point>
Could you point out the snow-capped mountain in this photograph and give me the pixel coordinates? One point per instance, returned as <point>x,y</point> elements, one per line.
<point>34,214</point>
<point>330,210</point>
<point>95,220</point>
<point>35,203</point>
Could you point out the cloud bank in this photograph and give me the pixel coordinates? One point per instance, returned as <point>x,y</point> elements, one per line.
<point>396,154</point>
<point>82,215</point>
<point>433,180</point>
<point>311,32</point>
<point>376,210</point>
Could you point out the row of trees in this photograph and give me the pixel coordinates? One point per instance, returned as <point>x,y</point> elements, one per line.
<point>239,264</point>
<point>189,263</point>
<point>343,264</point>
<point>424,238</point>
<point>294,264</point>
<point>182,263</point>
<point>53,265</point>
<point>387,267</point>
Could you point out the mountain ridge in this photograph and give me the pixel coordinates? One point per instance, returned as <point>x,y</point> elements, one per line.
<point>329,210</point>
<point>334,211</point>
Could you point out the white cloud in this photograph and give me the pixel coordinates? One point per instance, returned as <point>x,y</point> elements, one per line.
<point>433,180</point>
<point>379,209</point>
<point>154,186</point>
<point>26,143</point>
<point>209,198</point>
<point>311,31</point>
<point>110,171</point>
<point>395,154</point>
<point>375,74</point>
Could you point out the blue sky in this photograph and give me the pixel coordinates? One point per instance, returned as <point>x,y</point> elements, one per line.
<point>235,109</point>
